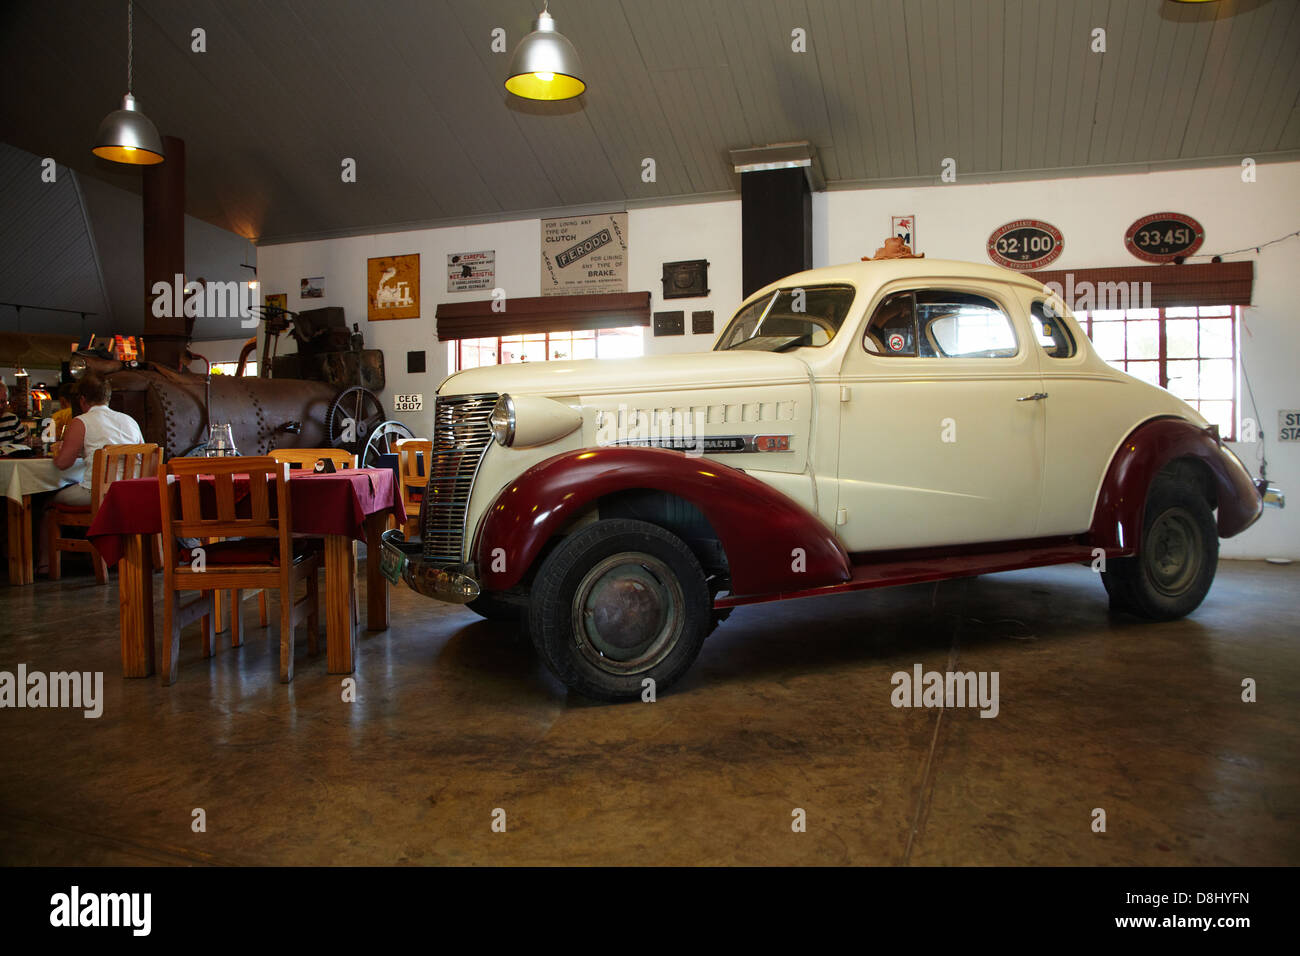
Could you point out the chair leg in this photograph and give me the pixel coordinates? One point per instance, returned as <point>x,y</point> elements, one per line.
<point>52,545</point>
<point>218,604</point>
<point>262,618</point>
<point>352,577</point>
<point>313,613</point>
<point>101,567</point>
<point>157,552</point>
<point>171,637</point>
<point>286,635</point>
<point>236,624</point>
<point>206,624</point>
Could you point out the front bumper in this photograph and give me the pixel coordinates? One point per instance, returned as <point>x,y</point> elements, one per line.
<point>1272,497</point>
<point>401,561</point>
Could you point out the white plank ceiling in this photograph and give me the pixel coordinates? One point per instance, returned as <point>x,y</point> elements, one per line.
<point>412,90</point>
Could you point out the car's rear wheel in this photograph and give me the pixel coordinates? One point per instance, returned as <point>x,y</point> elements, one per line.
<point>1172,572</point>
<point>618,602</point>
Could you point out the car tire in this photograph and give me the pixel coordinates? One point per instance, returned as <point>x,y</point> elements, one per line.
<point>495,609</point>
<point>1172,572</point>
<point>615,603</point>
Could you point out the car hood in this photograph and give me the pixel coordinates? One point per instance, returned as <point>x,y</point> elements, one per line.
<point>690,370</point>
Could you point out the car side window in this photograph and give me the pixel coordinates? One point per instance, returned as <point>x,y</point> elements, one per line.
<point>892,329</point>
<point>964,325</point>
<point>1052,333</point>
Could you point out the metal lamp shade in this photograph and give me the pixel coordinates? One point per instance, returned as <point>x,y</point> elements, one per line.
<point>545,65</point>
<point>128,136</point>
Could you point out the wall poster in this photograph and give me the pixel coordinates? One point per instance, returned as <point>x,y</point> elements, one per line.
<point>393,287</point>
<point>584,254</point>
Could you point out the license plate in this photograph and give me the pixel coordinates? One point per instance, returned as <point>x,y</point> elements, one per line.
<point>391,564</point>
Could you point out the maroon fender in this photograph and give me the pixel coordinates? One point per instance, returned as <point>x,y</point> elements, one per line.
<point>1117,519</point>
<point>758,526</point>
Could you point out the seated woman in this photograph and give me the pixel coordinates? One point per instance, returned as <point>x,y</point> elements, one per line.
<point>96,426</point>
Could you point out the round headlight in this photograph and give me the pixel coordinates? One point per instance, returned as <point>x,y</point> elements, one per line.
<point>502,421</point>
<point>77,367</point>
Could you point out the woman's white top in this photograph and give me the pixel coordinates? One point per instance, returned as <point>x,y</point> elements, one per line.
<point>103,427</point>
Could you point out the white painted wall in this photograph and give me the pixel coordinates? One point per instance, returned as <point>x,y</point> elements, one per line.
<point>953,221</point>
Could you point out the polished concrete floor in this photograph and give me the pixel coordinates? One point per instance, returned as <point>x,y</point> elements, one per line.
<point>789,706</point>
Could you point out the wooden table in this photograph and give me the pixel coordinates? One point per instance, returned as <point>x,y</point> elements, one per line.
<point>20,478</point>
<point>337,507</point>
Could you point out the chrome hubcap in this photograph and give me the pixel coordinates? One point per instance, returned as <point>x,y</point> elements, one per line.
<point>1173,551</point>
<point>627,613</point>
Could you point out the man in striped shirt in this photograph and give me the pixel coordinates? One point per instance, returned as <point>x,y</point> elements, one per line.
<point>11,429</point>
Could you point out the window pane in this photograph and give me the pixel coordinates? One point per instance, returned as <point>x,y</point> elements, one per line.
<point>1219,413</point>
<point>1108,339</point>
<point>1216,338</point>
<point>1144,313</point>
<point>1216,310</point>
<point>585,348</point>
<point>1180,338</point>
<point>533,349</point>
<point>1147,371</point>
<point>1216,379</point>
<point>619,343</point>
<point>1181,313</point>
<point>1183,380</point>
<point>1143,340</point>
<point>1108,315</point>
<point>1052,332</point>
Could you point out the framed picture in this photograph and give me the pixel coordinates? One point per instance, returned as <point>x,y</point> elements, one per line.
<point>277,304</point>
<point>393,287</point>
<point>313,288</point>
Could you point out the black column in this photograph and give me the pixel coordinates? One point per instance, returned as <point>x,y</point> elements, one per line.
<point>163,198</point>
<point>775,226</point>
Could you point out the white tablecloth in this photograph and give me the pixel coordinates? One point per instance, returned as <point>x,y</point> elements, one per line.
<point>29,476</point>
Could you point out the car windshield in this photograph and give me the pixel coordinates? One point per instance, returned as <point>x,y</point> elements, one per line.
<point>789,319</point>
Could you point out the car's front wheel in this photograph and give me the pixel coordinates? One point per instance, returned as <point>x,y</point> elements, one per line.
<point>1177,557</point>
<point>617,602</point>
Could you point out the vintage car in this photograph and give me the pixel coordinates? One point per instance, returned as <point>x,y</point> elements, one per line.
<point>880,423</point>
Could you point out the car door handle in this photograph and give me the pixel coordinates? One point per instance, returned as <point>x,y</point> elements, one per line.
<point>1036,397</point>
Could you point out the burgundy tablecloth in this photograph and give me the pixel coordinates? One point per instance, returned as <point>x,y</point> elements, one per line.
<point>322,504</point>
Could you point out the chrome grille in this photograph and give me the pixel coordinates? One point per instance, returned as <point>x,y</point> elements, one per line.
<point>461,435</point>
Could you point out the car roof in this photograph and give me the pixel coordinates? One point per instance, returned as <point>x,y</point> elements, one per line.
<point>871,274</point>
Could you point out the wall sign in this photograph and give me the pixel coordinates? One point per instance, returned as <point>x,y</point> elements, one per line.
<point>471,271</point>
<point>409,403</point>
<point>1164,236</point>
<point>312,288</point>
<point>393,287</point>
<point>1288,425</point>
<point>670,323</point>
<point>1025,244</point>
<point>584,254</point>
<point>904,227</point>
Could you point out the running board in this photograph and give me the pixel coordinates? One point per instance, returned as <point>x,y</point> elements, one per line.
<point>918,570</point>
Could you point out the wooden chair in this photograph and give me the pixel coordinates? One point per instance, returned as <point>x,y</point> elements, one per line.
<point>262,556</point>
<point>307,457</point>
<point>110,463</point>
<point>413,481</point>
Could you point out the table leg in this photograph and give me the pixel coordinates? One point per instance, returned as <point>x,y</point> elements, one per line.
<point>376,583</point>
<point>340,591</point>
<point>135,605</point>
<point>19,518</point>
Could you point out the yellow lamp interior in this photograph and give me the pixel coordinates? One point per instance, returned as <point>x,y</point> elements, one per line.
<point>127,154</point>
<point>545,86</point>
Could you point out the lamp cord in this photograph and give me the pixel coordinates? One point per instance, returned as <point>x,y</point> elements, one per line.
<point>130,43</point>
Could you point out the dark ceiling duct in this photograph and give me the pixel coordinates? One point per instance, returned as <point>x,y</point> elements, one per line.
<point>776,184</point>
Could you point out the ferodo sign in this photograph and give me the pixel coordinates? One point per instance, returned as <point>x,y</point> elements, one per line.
<point>584,254</point>
<point>1164,237</point>
<point>1025,244</point>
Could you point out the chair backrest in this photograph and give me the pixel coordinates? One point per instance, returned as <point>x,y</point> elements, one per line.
<point>410,453</point>
<point>178,484</point>
<point>115,462</point>
<point>307,457</point>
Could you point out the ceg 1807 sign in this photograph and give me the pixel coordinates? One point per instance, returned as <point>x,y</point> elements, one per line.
<point>1164,236</point>
<point>1025,244</point>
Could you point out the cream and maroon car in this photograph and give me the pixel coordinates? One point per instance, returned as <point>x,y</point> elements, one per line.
<point>879,423</point>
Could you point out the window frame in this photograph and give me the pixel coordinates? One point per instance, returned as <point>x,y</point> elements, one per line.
<point>1161,361</point>
<point>456,363</point>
